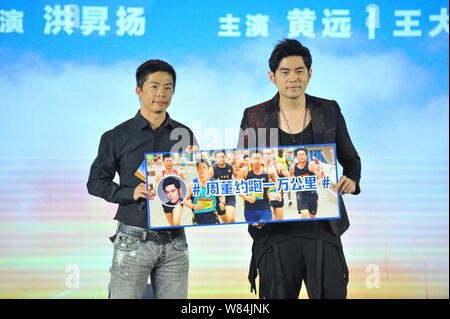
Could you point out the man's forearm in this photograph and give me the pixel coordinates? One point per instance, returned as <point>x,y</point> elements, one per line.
<point>110,191</point>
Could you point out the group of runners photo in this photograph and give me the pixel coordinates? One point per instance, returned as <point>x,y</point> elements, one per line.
<point>178,182</point>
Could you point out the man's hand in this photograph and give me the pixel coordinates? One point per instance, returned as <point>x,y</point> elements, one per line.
<point>191,148</point>
<point>278,197</point>
<point>346,185</point>
<point>222,202</point>
<point>141,191</point>
<point>197,207</point>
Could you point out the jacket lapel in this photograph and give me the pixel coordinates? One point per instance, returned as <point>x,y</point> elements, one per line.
<point>317,119</point>
<point>272,112</point>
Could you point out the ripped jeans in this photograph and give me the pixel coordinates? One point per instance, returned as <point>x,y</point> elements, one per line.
<point>134,261</point>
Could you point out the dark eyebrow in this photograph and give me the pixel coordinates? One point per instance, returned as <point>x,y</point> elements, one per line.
<point>287,69</point>
<point>155,82</point>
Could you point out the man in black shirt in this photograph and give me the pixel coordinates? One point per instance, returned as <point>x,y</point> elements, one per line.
<point>307,201</point>
<point>284,254</point>
<point>221,170</point>
<point>138,251</point>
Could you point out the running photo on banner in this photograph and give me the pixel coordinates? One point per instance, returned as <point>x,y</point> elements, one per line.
<point>261,185</point>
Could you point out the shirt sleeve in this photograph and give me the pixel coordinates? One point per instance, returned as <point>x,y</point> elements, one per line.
<point>102,173</point>
<point>347,155</point>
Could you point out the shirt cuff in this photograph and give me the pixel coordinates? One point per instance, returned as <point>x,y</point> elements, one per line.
<point>126,195</point>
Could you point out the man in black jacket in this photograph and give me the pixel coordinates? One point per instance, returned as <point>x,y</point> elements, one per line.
<point>285,254</point>
<point>138,251</point>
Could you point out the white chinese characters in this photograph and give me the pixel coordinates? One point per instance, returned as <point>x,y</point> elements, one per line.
<point>130,21</point>
<point>301,23</point>
<point>11,21</point>
<point>336,23</point>
<point>93,20</point>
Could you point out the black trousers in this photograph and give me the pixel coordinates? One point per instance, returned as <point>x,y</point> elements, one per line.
<point>321,265</point>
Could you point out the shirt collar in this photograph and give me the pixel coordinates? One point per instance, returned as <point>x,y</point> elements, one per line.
<point>142,123</point>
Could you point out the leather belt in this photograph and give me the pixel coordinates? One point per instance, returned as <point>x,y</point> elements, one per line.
<point>160,237</point>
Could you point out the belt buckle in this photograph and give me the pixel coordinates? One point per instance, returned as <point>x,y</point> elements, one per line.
<point>162,237</point>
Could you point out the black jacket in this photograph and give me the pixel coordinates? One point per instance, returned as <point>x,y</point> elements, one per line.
<point>328,127</point>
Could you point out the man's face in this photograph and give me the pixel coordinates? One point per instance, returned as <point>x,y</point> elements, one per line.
<point>168,163</point>
<point>156,92</point>
<point>301,156</point>
<point>172,193</point>
<point>256,160</point>
<point>203,170</point>
<point>291,77</point>
<point>220,158</point>
<point>267,155</point>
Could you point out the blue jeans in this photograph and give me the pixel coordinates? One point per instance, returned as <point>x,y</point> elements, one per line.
<point>134,261</point>
<point>258,215</point>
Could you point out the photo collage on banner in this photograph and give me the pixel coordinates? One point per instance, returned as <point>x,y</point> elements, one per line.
<point>211,187</point>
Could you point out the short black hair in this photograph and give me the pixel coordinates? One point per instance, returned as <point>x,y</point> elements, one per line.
<point>220,151</point>
<point>202,160</point>
<point>166,156</point>
<point>152,66</point>
<point>280,153</point>
<point>171,181</point>
<point>301,149</point>
<point>289,47</point>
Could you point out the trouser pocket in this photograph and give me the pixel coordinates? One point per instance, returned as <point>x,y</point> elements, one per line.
<point>126,242</point>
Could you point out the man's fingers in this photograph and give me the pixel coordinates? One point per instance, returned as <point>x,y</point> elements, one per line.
<point>191,148</point>
<point>351,188</point>
<point>346,185</point>
<point>140,187</point>
<point>141,191</point>
<point>144,191</point>
<point>143,188</point>
<point>139,195</point>
<point>339,184</point>
<point>343,189</point>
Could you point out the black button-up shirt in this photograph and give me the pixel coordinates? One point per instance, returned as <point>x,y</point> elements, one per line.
<point>122,150</point>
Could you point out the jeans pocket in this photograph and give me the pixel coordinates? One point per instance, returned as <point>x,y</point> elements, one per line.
<point>180,242</point>
<point>126,242</point>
